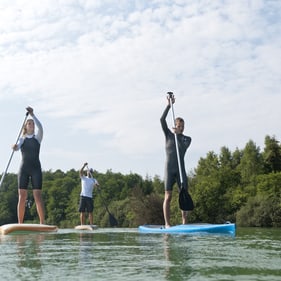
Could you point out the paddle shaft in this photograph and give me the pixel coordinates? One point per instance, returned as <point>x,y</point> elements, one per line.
<point>10,159</point>
<point>112,219</point>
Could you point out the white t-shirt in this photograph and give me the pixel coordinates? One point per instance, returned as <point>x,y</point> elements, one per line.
<point>87,186</point>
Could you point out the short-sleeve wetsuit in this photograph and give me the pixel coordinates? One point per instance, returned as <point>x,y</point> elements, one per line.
<point>171,166</point>
<point>30,167</point>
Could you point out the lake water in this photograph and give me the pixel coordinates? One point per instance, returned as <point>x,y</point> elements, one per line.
<point>125,254</point>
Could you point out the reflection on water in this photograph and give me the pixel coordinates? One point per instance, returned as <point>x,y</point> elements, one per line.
<point>86,249</point>
<point>28,255</point>
<point>125,254</point>
<point>178,259</point>
<point>21,257</point>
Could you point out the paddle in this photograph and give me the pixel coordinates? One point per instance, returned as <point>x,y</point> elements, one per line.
<point>5,172</point>
<point>185,200</point>
<point>112,220</point>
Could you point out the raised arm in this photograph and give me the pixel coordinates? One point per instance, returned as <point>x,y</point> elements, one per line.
<point>82,169</point>
<point>165,113</point>
<point>163,119</point>
<point>39,135</point>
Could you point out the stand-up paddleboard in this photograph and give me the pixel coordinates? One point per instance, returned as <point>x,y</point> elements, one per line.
<point>86,227</point>
<point>227,228</point>
<point>17,228</point>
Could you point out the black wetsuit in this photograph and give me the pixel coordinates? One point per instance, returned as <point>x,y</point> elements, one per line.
<point>172,174</point>
<point>30,167</point>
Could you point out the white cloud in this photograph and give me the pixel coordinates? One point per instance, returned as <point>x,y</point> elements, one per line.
<point>97,75</point>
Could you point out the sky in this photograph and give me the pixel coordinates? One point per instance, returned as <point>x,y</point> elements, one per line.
<point>97,75</point>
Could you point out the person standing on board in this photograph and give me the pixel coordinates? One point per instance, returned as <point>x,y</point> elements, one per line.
<point>30,168</point>
<point>86,196</point>
<point>172,174</point>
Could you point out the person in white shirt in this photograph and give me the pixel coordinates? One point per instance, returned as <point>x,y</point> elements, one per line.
<point>86,204</point>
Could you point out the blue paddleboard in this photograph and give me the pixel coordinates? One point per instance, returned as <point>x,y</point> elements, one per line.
<point>227,228</point>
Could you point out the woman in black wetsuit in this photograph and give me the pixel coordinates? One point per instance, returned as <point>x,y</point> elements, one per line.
<point>30,168</point>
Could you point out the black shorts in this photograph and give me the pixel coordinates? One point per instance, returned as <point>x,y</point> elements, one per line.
<point>172,178</point>
<point>35,175</point>
<point>86,204</point>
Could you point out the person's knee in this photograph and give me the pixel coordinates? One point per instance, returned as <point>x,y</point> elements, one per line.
<point>22,194</point>
<point>168,197</point>
<point>37,195</point>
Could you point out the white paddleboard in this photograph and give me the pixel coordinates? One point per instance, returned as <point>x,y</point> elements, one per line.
<point>86,227</point>
<point>26,228</point>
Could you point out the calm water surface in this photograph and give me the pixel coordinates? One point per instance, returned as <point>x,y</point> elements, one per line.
<point>124,254</point>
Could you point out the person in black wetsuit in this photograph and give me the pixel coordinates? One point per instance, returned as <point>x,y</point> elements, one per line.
<point>30,168</point>
<point>172,174</point>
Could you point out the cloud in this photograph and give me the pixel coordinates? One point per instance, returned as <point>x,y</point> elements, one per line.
<point>97,73</point>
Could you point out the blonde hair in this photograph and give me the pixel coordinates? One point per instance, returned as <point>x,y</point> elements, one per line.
<point>24,130</point>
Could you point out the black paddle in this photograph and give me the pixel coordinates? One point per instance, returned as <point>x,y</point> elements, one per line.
<point>5,172</point>
<point>112,220</point>
<point>185,200</point>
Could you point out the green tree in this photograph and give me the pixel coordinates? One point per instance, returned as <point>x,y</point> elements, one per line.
<point>229,180</point>
<point>251,163</point>
<point>208,193</point>
<point>242,186</point>
<point>59,198</point>
<point>9,200</point>
<point>272,155</point>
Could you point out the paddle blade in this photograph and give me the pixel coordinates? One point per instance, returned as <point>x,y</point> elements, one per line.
<point>112,220</point>
<point>185,200</point>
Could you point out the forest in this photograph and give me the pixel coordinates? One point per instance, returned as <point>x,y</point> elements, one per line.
<point>241,186</point>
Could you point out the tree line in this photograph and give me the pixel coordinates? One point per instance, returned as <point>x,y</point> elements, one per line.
<point>242,186</point>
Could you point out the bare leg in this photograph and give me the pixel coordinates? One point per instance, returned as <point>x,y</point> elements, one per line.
<point>82,218</point>
<point>166,207</point>
<point>37,194</point>
<point>184,217</point>
<point>91,218</point>
<point>21,204</point>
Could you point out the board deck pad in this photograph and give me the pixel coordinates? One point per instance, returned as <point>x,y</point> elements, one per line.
<point>17,228</point>
<point>227,228</point>
<point>86,227</point>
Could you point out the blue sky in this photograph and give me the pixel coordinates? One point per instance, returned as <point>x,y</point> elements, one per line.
<point>97,73</point>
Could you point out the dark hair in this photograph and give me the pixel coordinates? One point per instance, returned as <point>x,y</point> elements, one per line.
<point>179,119</point>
